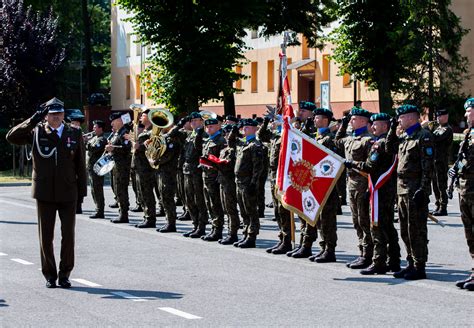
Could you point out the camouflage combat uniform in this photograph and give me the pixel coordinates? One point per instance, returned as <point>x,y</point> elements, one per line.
<point>121,171</point>
<point>95,147</point>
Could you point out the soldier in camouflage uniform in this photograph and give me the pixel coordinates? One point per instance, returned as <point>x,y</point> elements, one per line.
<point>248,168</point>
<point>357,147</point>
<point>282,215</point>
<point>212,146</point>
<point>228,189</point>
<point>181,138</point>
<point>193,183</point>
<point>442,138</point>
<point>466,189</point>
<point>95,147</point>
<point>133,175</point>
<point>263,176</point>
<point>386,248</point>
<point>145,174</point>
<point>415,165</point>
<point>120,148</point>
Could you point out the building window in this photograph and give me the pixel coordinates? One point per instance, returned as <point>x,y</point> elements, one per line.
<point>288,72</point>
<point>254,34</point>
<point>148,50</point>
<point>270,76</point>
<point>129,43</point>
<point>254,77</point>
<point>138,87</point>
<point>238,83</point>
<point>325,72</point>
<point>346,80</point>
<point>127,87</point>
<point>139,48</point>
<point>304,48</point>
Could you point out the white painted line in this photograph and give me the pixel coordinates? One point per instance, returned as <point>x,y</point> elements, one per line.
<point>179,313</point>
<point>22,261</point>
<point>129,296</point>
<point>17,204</point>
<point>3,254</point>
<point>86,282</point>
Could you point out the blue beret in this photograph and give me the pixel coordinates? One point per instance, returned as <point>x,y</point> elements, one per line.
<point>308,105</point>
<point>380,117</point>
<point>323,111</point>
<point>407,108</point>
<point>469,103</point>
<point>194,115</point>
<point>211,121</point>
<point>357,111</point>
<point>248,122</point>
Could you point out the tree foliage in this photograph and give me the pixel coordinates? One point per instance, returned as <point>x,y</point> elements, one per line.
<point>30,57</point>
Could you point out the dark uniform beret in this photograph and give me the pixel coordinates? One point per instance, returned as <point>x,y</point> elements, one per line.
<point>380,117</point>
<point>99,123</point>
<point>259,120</point>
<point>211,121</point>
<point>323,111</point>
<point>442,111</point>
<point>407,108</point>
<point>194,115</point>
<point>115,115</point>
<point>227,128</point>
<point>231,118</point>
<point>248,122</point>
<point>54,105</point>
<point>357,111</point>
<point>469,103</point>
<point>307,105</point>
<point>76,117</point>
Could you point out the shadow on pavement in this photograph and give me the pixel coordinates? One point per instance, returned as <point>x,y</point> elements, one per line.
<point>3,303</point>
<point>145,294</point>
<point>18,222</point>
<point>381,279</point>
<point>441,273</point>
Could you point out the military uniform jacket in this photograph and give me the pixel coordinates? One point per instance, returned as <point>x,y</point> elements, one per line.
<point>122,154</point>
<point>168,163</point>
<point>226,171</point>
<point>466,178</point>
<point>95,147</point>
<point>61,177</point>
<point>249,159</point>
<point>356,148</point>
<point>192,155</point>
<point>139,160</point>
<point>415,159</point>
<point>274,138</point>
<point>210,146</point>
<point>443,138</point>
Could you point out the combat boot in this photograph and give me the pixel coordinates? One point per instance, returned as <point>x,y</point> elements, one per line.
<point>313,257</point>
<point>461,283</point>
<point>270,249</point>
<point>137,208</point>
<point>146,224</point>
<point>187,234</point>
<point>404,271</point>
<point>123,218</point>
<point>364,262</point>
<point>97,215</point>
<point>348,264</point>
<point>416,274</point>
<point>248,243</point>
<point>374,269</point>
<point>393,266</point>
<point>167,228</point>
<point>114,205</point>
<point>198,233</point>
<point>297,248</point>
<point>229,240</point>
<point>441,212</point>
<point>326,257</point>
<point>185,216</point>
<point>213,236</point>
<point>303,252</point>
<point>240,241</point>
<point>283,248</point>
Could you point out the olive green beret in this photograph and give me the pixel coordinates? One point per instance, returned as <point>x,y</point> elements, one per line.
<point>380,117</point>
<point>323,111</point>
<point>407,108</point>
<point>356,111</point>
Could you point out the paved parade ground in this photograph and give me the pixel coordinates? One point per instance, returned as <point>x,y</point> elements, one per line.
<point>129,277</point>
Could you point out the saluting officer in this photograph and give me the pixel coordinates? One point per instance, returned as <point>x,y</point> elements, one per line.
<point>59,178</point>
<point>95,147</point>
<point>415,166</point>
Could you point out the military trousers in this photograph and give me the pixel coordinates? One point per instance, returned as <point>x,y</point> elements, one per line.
<point>195,203</point>
<point>327,223</point>
<point>466,205</point>
<point>145,186</point>
<point>282,215</point>
<point>121,181</point>
<point>167,186</point>
<point>136,188</point>
<point>97,191</point>
<point>261,191</point>
<point>440,183</point>
<point>180,187</point>
<point>413,229</point>
<point>46,220</point>
<point>359,203</point>
<point>213,202</point>
<point>228,192</point>
<point>248,210</point>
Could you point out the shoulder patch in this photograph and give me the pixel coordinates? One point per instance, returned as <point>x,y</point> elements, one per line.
<point>429,151</point>
<point>374,157</point>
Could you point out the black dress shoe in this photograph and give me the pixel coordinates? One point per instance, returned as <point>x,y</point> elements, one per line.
<point>167,228</point>
<point>229,240</point>
<point>98,215</point>
<point>64,283</point>
<point>146,224</point>
<point>51,283</point>
<point>114,205</point>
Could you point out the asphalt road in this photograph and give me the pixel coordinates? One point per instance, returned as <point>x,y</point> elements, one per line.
<point>126,276</point>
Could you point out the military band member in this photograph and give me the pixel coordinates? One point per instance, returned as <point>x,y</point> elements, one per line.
<point>466,190</point>
<point>263,176</point>
<point>181,138</point>
<point>59,178</point>
<point>133,176</point>
<point>120,148</point>
<point>415,165</point>
<point>357,147</point>
<point>442,138</point>
<point>76,119</point>
<point>248,168</point>
<point>379,162</point>
<point>95,148</point>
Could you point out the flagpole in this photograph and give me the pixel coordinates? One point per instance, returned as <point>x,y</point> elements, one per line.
<point>292,218</point>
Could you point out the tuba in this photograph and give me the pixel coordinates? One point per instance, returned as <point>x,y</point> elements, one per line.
<point>161,119</point>
<point>207,114</point>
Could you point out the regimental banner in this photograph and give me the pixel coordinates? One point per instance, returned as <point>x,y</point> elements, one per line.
<point>307,174</point>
